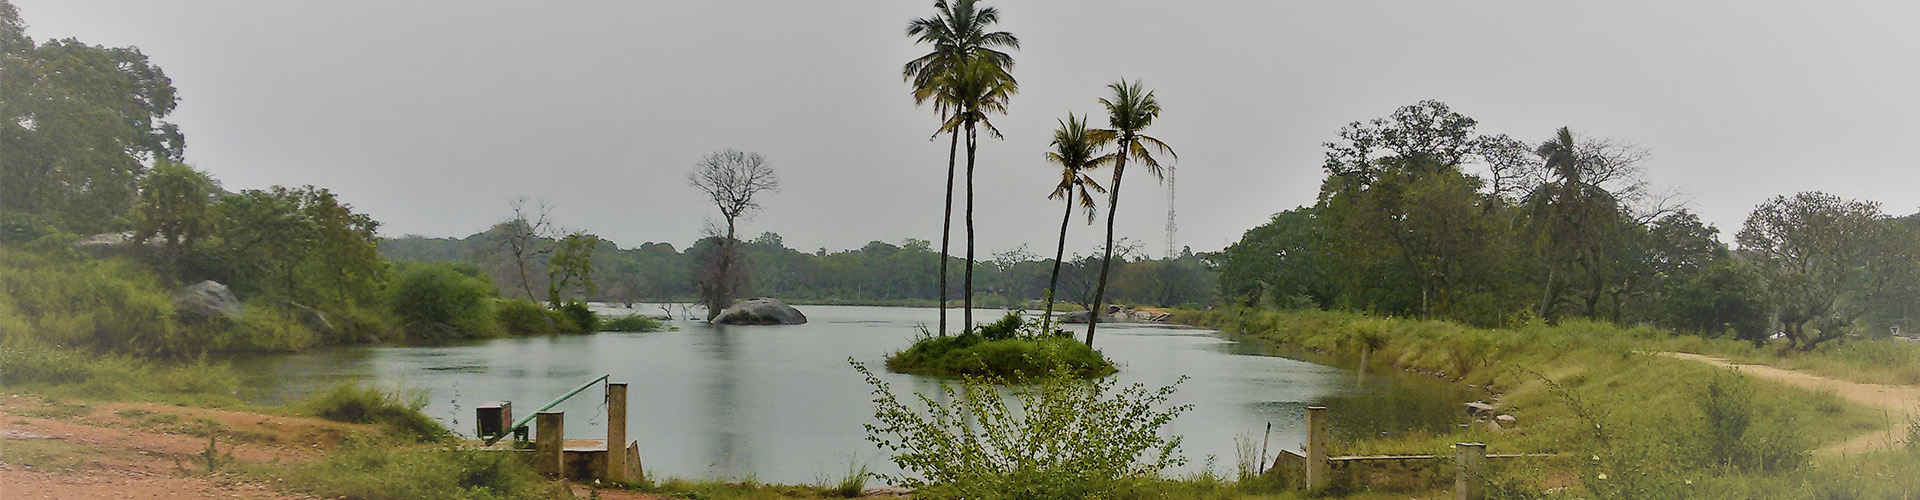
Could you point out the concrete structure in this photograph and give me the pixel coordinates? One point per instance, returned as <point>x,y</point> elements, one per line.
<point>1317,467</point>
<point>1470,476</point>
<point>549,442</point>
<point>585,458</point>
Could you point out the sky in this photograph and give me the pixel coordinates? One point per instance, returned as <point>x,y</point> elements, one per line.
<point>432,116</point>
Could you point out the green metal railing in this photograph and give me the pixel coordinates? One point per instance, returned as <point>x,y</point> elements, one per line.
<point>523,421</point>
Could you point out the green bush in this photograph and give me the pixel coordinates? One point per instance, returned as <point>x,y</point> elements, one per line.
<point>581,318</point>
<point>366,405</point>
<point>1060,437</point>
<point>520,316</point>
<point>457,296</point>
<point>1009,349</point>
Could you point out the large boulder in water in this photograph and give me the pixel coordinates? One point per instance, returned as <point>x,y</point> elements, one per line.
<point>761,311</point>
<point>204,301</point>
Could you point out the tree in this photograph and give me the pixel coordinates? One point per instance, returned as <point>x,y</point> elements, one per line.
<point>265,236</point>
<point>731,179</point>
<point>1273,264</point>
<point>572,266</point>
<point>1824,261</point>
<point>1130,109</point>
<point>345,247</point>
<point>1077,151</point>
<point>176,205</point>
<point>78,125</point>
<point>524,239</point>
<point>959,32</point>
<point>1580,225</point>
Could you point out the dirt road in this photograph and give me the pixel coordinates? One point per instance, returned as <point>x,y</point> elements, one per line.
<point>1901,403</point>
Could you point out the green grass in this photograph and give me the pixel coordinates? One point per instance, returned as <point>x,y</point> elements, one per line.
<point>52,454</point>
<point>1593,389</point>
<point>379,470</point>
<point>68,373</point>
<point>398,413</point>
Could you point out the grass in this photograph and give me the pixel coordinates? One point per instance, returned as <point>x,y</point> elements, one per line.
<point>1873,361</point>
<point>1010,349</point>
<point>69,373</point>
<point>398,413</point>
<point>1652,425</point>
<point>52,454</point>
<point>381,470</point>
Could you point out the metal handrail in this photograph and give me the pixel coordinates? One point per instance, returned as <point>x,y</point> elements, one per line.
<point>522,423</point>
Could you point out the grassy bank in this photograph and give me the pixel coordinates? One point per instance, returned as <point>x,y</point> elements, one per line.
<point>1651,426</point>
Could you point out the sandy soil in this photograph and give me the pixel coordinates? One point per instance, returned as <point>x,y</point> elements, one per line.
<point>1901,403</point>
<point>144,451</point>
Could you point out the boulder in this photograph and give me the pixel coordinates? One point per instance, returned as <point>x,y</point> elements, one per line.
<point>761,311</point>
<point>1507,420</point>
<point>204,301</point>
<point>1480,409</point>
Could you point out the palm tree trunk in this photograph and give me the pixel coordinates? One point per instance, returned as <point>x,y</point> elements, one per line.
<point>1059,252</point>
<point>946,228</point>
<point>966,314</point>
<point>1106,262</point>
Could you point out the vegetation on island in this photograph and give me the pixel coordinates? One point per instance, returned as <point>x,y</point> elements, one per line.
<point>1011,350</point>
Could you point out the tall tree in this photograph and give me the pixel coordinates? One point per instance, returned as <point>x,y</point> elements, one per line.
<point>958,32</point>
<point>1130,109</point>
<point>980,88</point>
<point>732,179</point>
<point>1077,151</point>
<point>176,205</point>
<point>524,240</point>
<point>1824,261</point>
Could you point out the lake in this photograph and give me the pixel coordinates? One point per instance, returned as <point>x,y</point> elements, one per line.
<point>781,404</point>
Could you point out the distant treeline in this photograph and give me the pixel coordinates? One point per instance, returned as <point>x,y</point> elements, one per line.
<point>1420,217</point>
<point>879,273</point>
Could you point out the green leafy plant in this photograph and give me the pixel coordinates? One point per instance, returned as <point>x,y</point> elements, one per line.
<point>1060,437</point>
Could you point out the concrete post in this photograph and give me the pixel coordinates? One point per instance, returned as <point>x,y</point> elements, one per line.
<point>616,433</point>
<point>549,442</point>
<point>1317,467</point>
<point>1470,473</point>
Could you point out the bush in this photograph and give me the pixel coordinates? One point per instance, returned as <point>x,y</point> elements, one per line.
<point>524,317</point>
<point>1061,438</point>
<point>358,405</point>
<point>632,323</point>
<point>457,296</point>
<point>580,317</point>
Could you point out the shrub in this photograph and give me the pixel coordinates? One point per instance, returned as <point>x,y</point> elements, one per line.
<point>456,296</point>
<point>364,405</point>
<point>632,323</point>
<point>520,316</point>
<point>580,317</point>
<point>1060,438</point>
<point>1009,349</point>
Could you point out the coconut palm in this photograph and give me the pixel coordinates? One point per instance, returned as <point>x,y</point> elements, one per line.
<point>1077,151</point>
<point>958,32</point>
<point>1130,109</point>
<point>978,88</point>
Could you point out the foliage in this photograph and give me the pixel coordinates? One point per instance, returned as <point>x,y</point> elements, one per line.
<point>175,205</point>
<point>1008,349</point>
<point>399,413</point>
<point>452,295</point>
<point>1130,110</point>
<point>519,316</point>
<point>1059,438</point>
<point>1273,265</point>
<point>47,370</point>
<point>1824,260</point>
<point>580,319</point>
<point>571,269</point>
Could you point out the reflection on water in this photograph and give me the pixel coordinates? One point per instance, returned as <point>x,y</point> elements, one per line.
<point>780,403</point>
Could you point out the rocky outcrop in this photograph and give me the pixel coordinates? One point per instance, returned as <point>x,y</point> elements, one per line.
<point>204,301</point>
<point>1119,314</point>
<point>761,311</point>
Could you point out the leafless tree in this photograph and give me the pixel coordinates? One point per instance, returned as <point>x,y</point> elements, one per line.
<point>732,179</point>
<point>526,239</point>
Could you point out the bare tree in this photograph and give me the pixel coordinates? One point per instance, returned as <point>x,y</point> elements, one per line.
<point>732,179</point>
<point>525,240</point>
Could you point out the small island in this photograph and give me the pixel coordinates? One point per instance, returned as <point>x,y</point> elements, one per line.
<point>1010,350</point>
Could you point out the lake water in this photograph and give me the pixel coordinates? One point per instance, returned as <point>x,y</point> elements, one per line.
<point>781,404</point>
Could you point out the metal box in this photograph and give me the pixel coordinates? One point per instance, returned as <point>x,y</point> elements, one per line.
<point>494,418</point>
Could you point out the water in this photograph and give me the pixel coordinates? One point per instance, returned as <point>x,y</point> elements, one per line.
<point>781,404</point>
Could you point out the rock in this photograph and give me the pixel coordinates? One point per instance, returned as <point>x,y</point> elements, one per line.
<point>204,301</point>
<point>761,311</point>
<point>1077,317</point>
<point>1507,420</point>
<point>1479,409</point>
<point>313,319</point>
<point>1494,425</point>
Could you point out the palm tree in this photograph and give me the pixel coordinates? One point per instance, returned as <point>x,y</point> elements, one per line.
<point>1130,109</point>
<point>979,88</point>
<point>1076,150</point>
<point>958,32</point>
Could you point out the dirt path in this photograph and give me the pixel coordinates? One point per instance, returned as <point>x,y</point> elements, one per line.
<point>1901,403</point>
<point>127,451</point>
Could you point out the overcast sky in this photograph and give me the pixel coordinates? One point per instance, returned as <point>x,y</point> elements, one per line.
<point>431,116</point>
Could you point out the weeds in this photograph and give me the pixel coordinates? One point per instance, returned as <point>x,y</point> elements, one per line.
<point>399,413</point>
